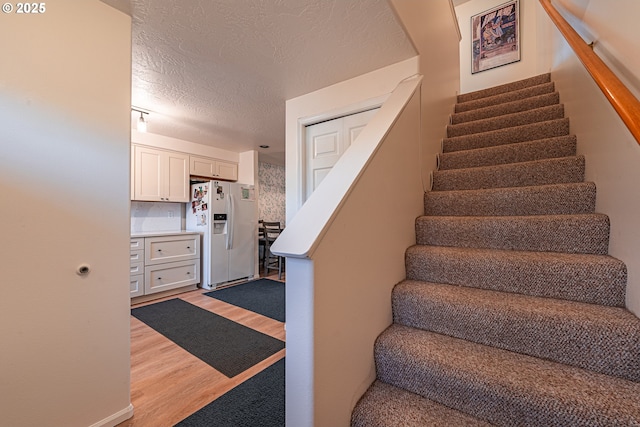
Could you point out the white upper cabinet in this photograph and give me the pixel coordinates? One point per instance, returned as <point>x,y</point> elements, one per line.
<point>212,168</point>
<point>160,175</point>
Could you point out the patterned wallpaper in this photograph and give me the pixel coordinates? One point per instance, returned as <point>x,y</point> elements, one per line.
<point>272,195</point>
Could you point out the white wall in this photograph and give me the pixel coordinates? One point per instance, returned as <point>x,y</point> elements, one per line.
<point>65,96</point>
<point>248,167</point>
<point>248,174</point>
<point>614,28</point>
<point>338,99</point>
<point>528,65</point>
<point>612,154</point>
<point>441,76</point>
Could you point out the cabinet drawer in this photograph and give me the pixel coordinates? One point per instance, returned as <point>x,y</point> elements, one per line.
<point>171,249</point>
<point>137,243</point>
<point>137,285</point>
<point>162,277</point>
<point>137,256</point>
<point>136,268</point>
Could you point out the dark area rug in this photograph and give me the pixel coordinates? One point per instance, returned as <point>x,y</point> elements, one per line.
<point>262,296</point>
<point>257,402</point>
<point>227,346</point>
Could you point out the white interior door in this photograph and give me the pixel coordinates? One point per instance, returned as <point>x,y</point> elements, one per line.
<point>327,141</point>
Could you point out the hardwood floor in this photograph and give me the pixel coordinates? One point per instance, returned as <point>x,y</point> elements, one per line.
<point>168,384</point>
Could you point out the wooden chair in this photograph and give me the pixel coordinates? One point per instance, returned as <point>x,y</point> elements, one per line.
<point>261,243</point>
<point>272,230</point>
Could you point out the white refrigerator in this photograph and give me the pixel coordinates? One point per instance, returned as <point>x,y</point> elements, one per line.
<point>225,214</point>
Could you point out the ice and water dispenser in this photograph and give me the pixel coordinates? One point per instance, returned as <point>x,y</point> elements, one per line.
<point>219,223</point>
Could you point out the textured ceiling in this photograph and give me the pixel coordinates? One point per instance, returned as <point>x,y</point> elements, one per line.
<point>218,72</point>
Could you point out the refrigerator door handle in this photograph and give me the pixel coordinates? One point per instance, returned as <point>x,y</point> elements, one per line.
<point>230,209</point>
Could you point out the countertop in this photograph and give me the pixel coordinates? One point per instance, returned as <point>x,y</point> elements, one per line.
<point>161,233</point>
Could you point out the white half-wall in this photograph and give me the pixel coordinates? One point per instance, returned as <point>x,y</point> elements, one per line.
<point>338,299</point>
<point>339,99</point>
<point>612,154</point>
<point>345,252</point>
<point>65,94</point>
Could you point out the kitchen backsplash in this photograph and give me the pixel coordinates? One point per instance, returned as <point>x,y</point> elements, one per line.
<point>272,194</point>
<point>156,216</point>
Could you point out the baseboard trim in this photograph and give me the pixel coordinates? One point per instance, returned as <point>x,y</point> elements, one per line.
<point>115,419</point>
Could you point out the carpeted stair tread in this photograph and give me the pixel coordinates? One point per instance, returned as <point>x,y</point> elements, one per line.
<point>536,115</point>
<point>502,387</point>
<point>600,338</point>
<point>504,88</point>
<point>595,279</point>
<point>530,132</point>
<point>583,233</point>
<point>506,108</point>
<point>555,199</point>
<point>384,405</point>
<point>524,174</point>
<point>561,146</point>
<point>528,92</point>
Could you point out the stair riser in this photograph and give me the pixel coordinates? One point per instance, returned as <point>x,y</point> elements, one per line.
<point>564,199</point>
<point>563,146</point>
<point>542,172</point>
<point>548,129</point>
<point>502,392</point>
<point>507,108</point>
<point>594,280</point>
<point>519,119</point>
<point>602,339</point>
<point>504,88</point>
<point>573,234</point>
<point>530,92</point>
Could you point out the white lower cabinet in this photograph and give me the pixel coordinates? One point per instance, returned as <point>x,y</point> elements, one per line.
<point>164,263</point>
<point>172,275</point>
<point>137,285</point>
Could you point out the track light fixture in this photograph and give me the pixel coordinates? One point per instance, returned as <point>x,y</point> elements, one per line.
<point>142,124</point>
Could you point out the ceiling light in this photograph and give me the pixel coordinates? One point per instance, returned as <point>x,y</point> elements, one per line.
<point>142,124</point>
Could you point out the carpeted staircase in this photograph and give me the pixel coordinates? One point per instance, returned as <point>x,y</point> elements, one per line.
<point>512,312</point>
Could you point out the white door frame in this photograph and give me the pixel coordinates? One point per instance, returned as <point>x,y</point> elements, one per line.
<point>303,122</point>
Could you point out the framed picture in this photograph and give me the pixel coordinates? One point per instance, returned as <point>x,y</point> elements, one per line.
<point>495,37</point>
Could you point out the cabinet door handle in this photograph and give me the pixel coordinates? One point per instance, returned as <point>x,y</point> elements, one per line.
<point>159,250</point>
<point>159,278</point>
<point>188,272</point>
<point>188,247</point>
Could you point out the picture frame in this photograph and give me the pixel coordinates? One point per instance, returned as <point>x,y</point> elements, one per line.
<point>495,37</point>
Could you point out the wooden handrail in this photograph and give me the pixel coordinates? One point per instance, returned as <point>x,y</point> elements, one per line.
<point>622,100</point>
